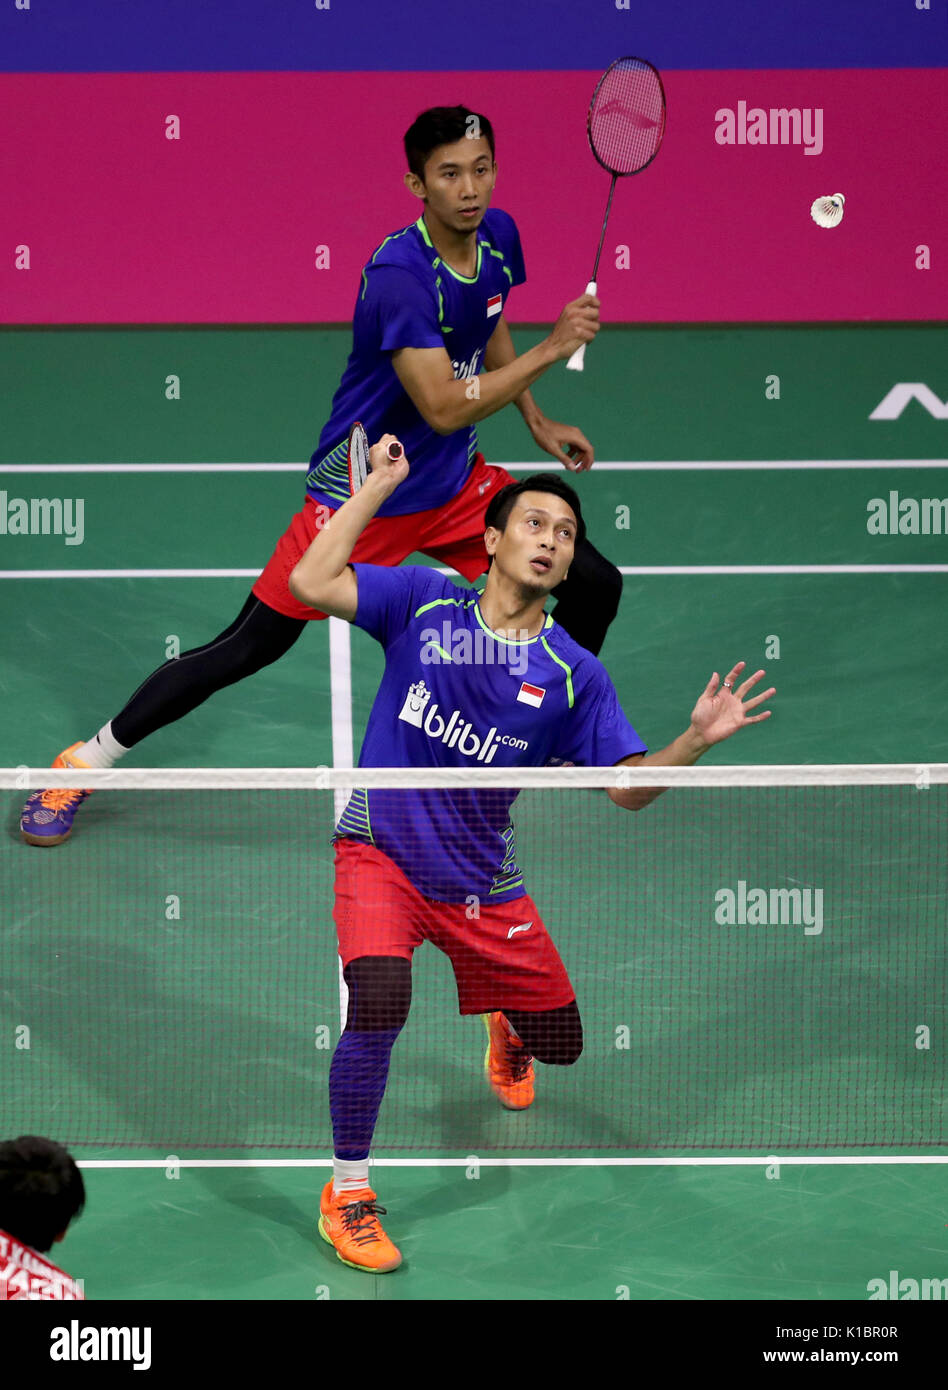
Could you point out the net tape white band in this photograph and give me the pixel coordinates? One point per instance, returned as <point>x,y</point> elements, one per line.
<point>919,775</point>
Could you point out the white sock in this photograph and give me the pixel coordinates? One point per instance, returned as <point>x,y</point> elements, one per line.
<point>349,1177</point>
<point>102,751</point>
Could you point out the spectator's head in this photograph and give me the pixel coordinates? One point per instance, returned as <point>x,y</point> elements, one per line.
<point>41,1190</point>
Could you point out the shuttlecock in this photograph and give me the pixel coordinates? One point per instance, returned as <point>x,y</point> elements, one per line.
<point>828,212</point>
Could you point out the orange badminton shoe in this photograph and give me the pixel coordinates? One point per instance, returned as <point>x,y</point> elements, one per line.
<point>349,1221</point>
<point>508,1064</point>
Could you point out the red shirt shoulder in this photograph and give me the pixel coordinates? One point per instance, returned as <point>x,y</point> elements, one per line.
<point>27,1275</point>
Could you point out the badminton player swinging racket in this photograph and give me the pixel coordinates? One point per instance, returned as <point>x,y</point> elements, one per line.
<point>408,862</point>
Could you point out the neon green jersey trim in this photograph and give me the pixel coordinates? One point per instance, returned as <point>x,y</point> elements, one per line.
<point>513,641</point>
<point>445,327</point>
<point>355,813</point>
<point>392,237</point>
<point>504,267</point>
<point>567,669</point>
<point>465,279</point>
<point>436,602</point>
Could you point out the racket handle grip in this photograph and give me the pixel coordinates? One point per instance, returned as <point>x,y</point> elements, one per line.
<point>394,452</point>
<point>575,363</point>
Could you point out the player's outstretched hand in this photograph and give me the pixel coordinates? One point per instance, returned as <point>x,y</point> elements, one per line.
<point>390,471</point>
<point>564,442</point>
<point>720,713</point>
<point>577,324</point>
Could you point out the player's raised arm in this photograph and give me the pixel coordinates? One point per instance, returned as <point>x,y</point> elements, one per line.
<point>717,715</point>
<point>447,403</point>
<point>322,579</point>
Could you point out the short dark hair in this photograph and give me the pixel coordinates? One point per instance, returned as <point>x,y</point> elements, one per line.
<point>501,504</point>
<point>442,125</point>
<point>41,1190</point>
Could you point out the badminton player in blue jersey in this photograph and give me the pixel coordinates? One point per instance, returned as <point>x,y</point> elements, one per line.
<point>431,356</point>
<point>409,863</point>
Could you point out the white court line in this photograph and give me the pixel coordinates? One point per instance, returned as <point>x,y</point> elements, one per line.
<point>630,466</point>
<point>677,1161</point>
<point>131,574</point>
<point>642,570</point>
<point>781,569</point>
<point>301,468</point>
<point>340,668</point>
<point>728,465</point>
<point>340,685</point>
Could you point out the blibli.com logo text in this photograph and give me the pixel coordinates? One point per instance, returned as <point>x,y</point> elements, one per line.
<point>453,730</point>
<point>462,647</point>
<point>467,370</point>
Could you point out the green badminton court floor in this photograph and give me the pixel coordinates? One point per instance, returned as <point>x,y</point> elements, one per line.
<point>152,1041</point>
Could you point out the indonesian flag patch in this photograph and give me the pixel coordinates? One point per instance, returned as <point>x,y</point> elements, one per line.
<point>531,695</point>
<point>494,305</point>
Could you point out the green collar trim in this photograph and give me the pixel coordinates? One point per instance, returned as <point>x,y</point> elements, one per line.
<point>511,641</point>
<point>465,279</point>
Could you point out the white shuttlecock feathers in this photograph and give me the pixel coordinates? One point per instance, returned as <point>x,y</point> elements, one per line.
<point>828,212</point>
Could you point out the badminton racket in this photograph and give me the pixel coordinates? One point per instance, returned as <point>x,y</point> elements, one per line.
<point>358,456</point>
<point>625,126</point>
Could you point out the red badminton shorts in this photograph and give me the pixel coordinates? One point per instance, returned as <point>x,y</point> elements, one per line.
<point>452,534</point>
<point>503,958</point>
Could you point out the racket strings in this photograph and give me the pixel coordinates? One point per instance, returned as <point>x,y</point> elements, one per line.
<point>627,117</point>
<point>358,457</point>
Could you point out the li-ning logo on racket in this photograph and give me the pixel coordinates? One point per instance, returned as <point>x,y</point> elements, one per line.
<point>454,730</point>
<point>638,120</point>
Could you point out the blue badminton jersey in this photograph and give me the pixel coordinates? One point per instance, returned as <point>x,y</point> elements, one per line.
<point>408,297</point>
<point>454,694</point>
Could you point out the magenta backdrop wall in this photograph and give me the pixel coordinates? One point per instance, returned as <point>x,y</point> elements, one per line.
<point>222,225</point>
